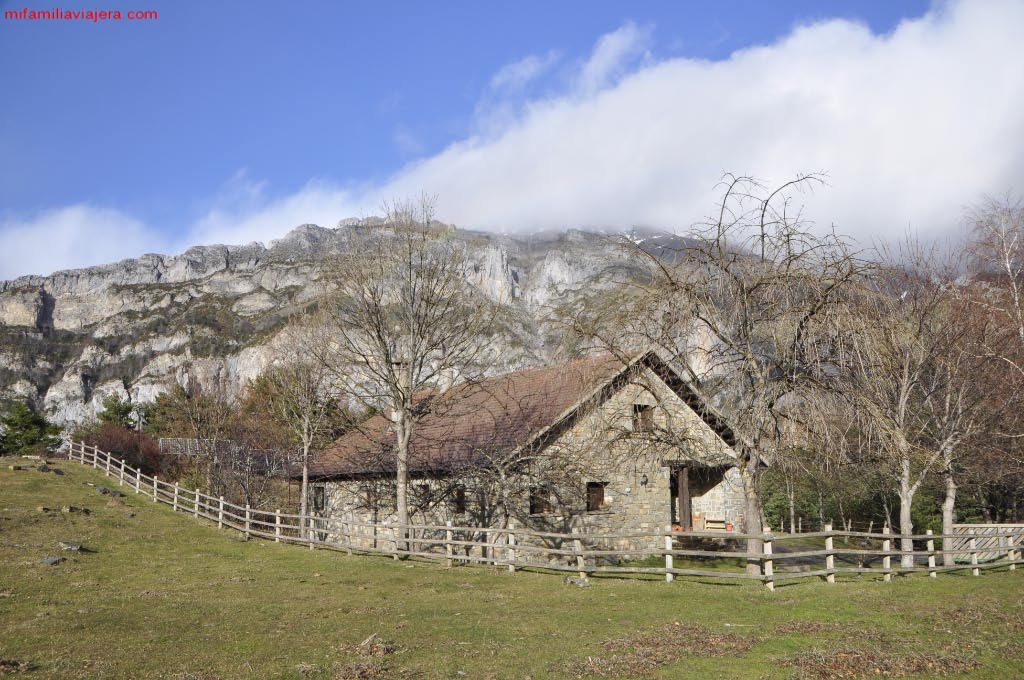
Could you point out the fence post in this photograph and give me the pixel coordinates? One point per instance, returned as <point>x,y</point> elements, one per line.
<point>394,539</point>
<point>769,566</point>
<point>277,525</point>
<point>138,480</point>
<point>669,576</point>
<point>177,490</point>
<point>799,525</point>
<point>511,548</point>
<point>95,457</point>
<point>248,521</point>
<point>120,479</point>
<point>195,505</point>
<point>830,558</point>
<point>1013,555</point>
<point>886,557</point>
<point>106,464</point>
<point>311,531</point>
<point>489,553</point>
<point>973,543</point>
<point>220,514</point>
<point>448,544</point>
<point>156,488</point>
<point>581,563</point>
<point>931,554</point>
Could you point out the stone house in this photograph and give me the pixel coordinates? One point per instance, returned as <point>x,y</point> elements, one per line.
<point>595,446</point>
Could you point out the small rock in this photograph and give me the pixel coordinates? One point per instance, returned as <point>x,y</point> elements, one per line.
<point>45,468</point>
<point>12,666</point>
<point>58,472</point>
<point>52,560</point>
<point>75,509</point>
<point>68,545</point>
<point>43,508</point>
<point>20,467</point>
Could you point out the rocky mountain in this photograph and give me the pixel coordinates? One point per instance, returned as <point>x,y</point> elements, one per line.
<point>70,339</point>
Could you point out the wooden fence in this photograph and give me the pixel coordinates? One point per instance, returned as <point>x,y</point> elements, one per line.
<point>707,554</point>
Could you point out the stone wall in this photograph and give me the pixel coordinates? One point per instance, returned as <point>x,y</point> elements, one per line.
<point>602,447</point>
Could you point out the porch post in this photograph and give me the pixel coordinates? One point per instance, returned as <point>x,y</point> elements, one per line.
<point>685,510</point>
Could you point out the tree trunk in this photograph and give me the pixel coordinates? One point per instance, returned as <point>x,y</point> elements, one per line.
<point>752,511</point>
<point>402,434</point>
<point>792,510</point>
<point>304,500</point>
<point>907,491</point>
<point>948,512</point>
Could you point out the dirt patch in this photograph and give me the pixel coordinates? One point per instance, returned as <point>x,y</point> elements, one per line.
<point>361,670</point>
<point>965,617</point>
<point>373,646</point>
<point>640,655</point>
<point>859,663</point>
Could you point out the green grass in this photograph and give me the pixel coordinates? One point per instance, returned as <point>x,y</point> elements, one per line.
<point>161,595</point>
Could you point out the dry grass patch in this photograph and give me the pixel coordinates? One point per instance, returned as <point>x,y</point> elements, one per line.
<point>638,656</point>
<point>850,664</point>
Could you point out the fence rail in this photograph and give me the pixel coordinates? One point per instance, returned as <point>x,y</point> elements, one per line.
<point>782,557</point>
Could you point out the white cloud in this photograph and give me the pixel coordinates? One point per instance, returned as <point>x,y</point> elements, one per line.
<point>263,220</point>
<point>71,237</point>
<point>911,127</point>
<point>611,56</point>
<point>519,74</point>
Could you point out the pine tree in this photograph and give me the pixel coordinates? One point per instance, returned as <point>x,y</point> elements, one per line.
<point>25,431</point>
<point>117,412</point>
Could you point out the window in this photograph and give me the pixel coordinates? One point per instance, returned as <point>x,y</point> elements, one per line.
<point>540,500</point>
<point>643,418</point>
<point>595,496</point>
<point>421,496</point>
<point>458,500</point>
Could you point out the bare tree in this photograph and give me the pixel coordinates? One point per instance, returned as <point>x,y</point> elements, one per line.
<point>749,305</point>
<point>207,419</point>
<point>995,297</point>
<point>298,391</point>
<point>911,371</point>
<point>997,256</point>
<point>403,319</point>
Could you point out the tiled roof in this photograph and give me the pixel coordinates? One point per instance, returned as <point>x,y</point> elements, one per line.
<point>476,421</point>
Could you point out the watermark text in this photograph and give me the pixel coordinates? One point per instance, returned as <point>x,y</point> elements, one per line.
<point>94,15</point>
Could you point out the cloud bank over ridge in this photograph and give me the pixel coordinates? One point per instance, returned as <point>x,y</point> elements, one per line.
<point>911,127</point>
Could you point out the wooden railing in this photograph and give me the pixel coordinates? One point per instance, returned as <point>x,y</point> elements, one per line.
<point>783,556</point>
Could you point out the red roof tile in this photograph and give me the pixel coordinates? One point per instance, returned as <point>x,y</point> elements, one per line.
<point>477,421</point>
<point>472,421</point>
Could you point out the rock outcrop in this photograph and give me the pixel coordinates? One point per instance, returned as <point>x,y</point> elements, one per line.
<point>70,339</point>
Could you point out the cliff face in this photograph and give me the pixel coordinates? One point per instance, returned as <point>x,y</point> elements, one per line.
<point>70,339</point>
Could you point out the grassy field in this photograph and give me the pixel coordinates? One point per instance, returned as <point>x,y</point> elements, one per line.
<point>161,595</point>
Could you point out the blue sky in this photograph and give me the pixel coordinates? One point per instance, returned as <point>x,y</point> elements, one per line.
<point>236,121</point>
